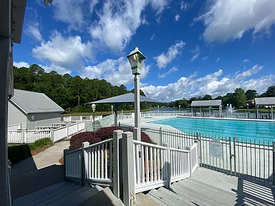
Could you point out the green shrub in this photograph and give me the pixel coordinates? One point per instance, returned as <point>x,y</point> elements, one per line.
<point>18,153</point>
<point>39,144</point>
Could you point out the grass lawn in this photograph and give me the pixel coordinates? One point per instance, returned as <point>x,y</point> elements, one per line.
<point>18,153</point>
<point>253,110</point>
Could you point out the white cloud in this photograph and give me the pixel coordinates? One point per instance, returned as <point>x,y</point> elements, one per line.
<point>52,67</point>
<point>173,51</point>
<point>21,64</point>
<point>196,51</point>
<point>204,58</point>
<point>254,70</point>
<point>93,3</point>
<point>177,17</point>
<point>33,31</point>
<point>218,59</point>
<point>64,52</point>
<point>228,20</point>
<point>117,24</point>
<point>173,69</point>
<point>214,84</point>
<point>116,71</point>
<point>245,61</point>
<point>32,28</point>
<point>184,5</point>
<point>152,37</point>
<point>71,12</point>
<point>159,5</point>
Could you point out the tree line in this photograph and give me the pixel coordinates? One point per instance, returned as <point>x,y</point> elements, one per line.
<point>71,93</point>
<point>238,98</point>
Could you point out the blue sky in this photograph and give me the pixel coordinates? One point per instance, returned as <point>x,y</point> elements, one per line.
<point>193,48</point>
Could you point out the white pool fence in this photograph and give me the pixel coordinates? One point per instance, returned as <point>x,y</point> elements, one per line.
<point>56,132</point>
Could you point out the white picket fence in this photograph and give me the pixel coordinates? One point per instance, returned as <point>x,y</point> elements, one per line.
<point>144,166</point>
<point>56,134</point>
<point>80,118</point>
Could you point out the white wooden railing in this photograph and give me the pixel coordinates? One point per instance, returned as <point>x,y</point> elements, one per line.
<point>150,168</point>
<point>99,165</point>
<point>72,163</point>
<point>56,134</point>
<point>144,166</point>
<point>160,165</point>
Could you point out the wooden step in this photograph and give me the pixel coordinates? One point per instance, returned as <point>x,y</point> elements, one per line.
<point>44,194</point>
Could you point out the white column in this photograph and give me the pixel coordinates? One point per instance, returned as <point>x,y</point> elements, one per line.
<point>220,110</point>
<point>116,182</point>
<point>128,169</point>
<point>200,111</point>
<point>272,116</point>
<point>192,111</point>
<point>5,46</point>
<point>137,108</point>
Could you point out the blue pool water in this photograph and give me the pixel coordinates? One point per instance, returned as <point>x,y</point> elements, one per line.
<point>255,130</point>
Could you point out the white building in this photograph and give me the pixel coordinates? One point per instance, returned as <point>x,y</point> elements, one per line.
<point>32,109</point>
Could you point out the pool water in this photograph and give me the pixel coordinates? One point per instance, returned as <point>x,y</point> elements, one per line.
<point>250,130</point>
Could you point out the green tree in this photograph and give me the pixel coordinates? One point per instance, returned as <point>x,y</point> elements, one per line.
<point>207,97</point>
<point>250,94</point>
<point>239,98</point>
<point>270,92</point>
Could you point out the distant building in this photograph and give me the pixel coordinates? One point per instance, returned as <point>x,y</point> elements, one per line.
<point>251,103</point>
<point>32,109</point>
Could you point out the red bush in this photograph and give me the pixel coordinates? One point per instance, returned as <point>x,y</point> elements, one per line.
<point>107,132</point>
<point>76,140</point>
<point>144,137</point>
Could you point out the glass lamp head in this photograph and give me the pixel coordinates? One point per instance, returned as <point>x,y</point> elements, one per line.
<point>136,59</point>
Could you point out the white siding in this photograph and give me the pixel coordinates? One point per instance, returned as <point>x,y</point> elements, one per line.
<point>43,119</point>
<point>16,116</point>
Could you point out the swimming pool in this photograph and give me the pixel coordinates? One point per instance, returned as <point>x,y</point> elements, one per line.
<point>255,130</point>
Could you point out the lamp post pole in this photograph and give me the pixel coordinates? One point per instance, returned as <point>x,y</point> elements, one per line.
<point>136,59</point>
<point>137,107</point>
<point>93,108</point>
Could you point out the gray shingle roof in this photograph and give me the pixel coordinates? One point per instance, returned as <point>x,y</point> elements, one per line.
<point>124,98</point>
<point>34,102</point>
<point>265,101</point>
<point>206,103</point>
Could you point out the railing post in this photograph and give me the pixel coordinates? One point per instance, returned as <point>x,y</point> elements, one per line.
<point>273,181</point>
<point>160,136</point>
<point>234,149</point>
<point>230,156</point>
<point>116,183</point>
<point>65,152</point>
<point>189,160</point>
<point>84,163</point>
<point>128,169</point>
<point>52,134</point>
<point>24,135</point>
<point>200,149</point>
<point>168,166</point>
